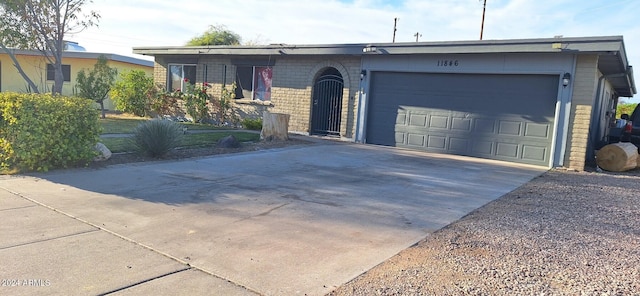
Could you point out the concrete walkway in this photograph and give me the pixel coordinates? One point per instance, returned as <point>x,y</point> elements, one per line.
<point>294,221</point>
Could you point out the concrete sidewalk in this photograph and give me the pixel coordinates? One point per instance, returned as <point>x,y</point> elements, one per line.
<point>292,221</point>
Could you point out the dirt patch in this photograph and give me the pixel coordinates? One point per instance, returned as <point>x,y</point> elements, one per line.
<point>123,158</point>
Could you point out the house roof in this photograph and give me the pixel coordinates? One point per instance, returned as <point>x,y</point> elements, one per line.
<point>612,62</point>
<point>89,55</point>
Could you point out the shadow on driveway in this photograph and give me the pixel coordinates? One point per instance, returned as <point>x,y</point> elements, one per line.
<point>282,221</point>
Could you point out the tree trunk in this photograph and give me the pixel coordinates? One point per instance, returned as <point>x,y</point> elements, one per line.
<point>275,126</point>
<point>618,157</point>
<point>16,64</point>
<point>104,113</point>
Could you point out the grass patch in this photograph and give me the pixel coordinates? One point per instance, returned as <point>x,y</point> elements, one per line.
<point>126,124</point>
<point>118,145</point>
<point>120,125</point>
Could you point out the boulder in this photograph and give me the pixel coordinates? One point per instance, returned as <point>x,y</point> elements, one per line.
<point>229,141</point>
<point>103,152</point>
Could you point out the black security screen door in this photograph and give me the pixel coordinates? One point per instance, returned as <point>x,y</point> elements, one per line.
<point>327,103</point>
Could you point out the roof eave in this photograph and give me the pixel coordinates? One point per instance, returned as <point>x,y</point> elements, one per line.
<point>87,55</point>
<point>550,45</point>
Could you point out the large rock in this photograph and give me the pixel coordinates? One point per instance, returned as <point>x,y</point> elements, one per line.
<point>229,141</point>
<point>103,152</point>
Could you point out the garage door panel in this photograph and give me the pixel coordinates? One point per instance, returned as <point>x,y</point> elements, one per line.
<point>484,126</point>
<point>459,145</point>
<point>506,117</point>
<point>537,130</point>
<point>438,122</point>
<point>509,128</point>
<point>400,139</point>
<point>416,140</point>
<point>461,124</point>
<point>418,120</point>
<point>437,142</point>
<point>483,148</point>
<point>534,153</point>
<point>508,150</point>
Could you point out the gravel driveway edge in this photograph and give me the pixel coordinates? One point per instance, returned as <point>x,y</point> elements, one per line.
<point>563,233</point>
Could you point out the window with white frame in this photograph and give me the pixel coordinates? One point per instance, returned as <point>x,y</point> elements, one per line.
<point>254,82</point>
<point>180,75</point>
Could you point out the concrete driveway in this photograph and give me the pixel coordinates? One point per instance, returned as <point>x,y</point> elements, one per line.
<point>295,221</point>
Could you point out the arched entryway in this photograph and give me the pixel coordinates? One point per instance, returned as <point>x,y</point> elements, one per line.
<point>327,103</point>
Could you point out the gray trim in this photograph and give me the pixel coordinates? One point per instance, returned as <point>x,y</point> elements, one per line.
<point>605,45</point>
<point>253,61</point>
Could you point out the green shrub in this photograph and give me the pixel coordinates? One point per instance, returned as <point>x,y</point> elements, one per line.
<point>133,93</point>
<point>156,138</point>
<point>252,124</point>
<point>40,131</point>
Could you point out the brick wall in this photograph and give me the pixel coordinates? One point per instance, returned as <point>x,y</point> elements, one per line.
<point>291,92</point>
<point>584,93</point>
<point>293,80</point>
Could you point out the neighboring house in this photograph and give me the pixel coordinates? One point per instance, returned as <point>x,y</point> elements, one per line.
<point>547,102</point>
<point>41,72</point>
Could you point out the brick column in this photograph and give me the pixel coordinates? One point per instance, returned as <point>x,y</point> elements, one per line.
<point>584,92</point>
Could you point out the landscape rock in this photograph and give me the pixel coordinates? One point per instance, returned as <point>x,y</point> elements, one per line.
<point>229,141</point>
<point>103,152</point>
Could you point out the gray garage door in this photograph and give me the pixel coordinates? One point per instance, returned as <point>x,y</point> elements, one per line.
<point>504,117</point>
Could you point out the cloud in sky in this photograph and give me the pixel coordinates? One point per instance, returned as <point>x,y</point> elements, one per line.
<point>126,24</point>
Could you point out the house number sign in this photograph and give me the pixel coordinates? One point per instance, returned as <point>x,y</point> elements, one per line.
<point>448,63</point>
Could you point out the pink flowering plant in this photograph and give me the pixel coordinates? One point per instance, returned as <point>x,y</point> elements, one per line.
<point>196,99</point>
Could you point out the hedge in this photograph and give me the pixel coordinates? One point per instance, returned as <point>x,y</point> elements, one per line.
<point>39,132</point>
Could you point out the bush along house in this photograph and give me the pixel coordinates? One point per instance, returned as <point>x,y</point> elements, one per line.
<point>547,102</point>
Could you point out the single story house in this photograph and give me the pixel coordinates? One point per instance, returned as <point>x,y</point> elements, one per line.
<point>547,102</point>
<point>41,71</point>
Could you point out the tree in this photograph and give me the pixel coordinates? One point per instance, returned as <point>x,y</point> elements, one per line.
<point>625,108</point>
<point>216,35</point>
<point>42,25</point>
<point>133,93</point>
<point>97,83</point>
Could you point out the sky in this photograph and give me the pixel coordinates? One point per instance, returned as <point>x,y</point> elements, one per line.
<point>125,24</point>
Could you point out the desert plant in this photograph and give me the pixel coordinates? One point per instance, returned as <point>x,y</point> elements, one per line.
<point>252,124</point>
<point>156,138</point>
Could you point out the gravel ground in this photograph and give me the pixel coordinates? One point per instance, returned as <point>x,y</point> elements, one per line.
<point>563,233</point>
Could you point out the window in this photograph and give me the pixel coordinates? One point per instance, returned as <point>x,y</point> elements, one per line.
<point>254,82</point>
<point>179,74</point>
<point>66,72</point>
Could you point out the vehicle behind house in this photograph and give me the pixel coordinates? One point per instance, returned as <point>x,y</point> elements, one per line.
<point>631,131</point>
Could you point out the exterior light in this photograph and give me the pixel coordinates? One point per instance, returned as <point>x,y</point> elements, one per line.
<point>566,79</point>
<point>363,74</point>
